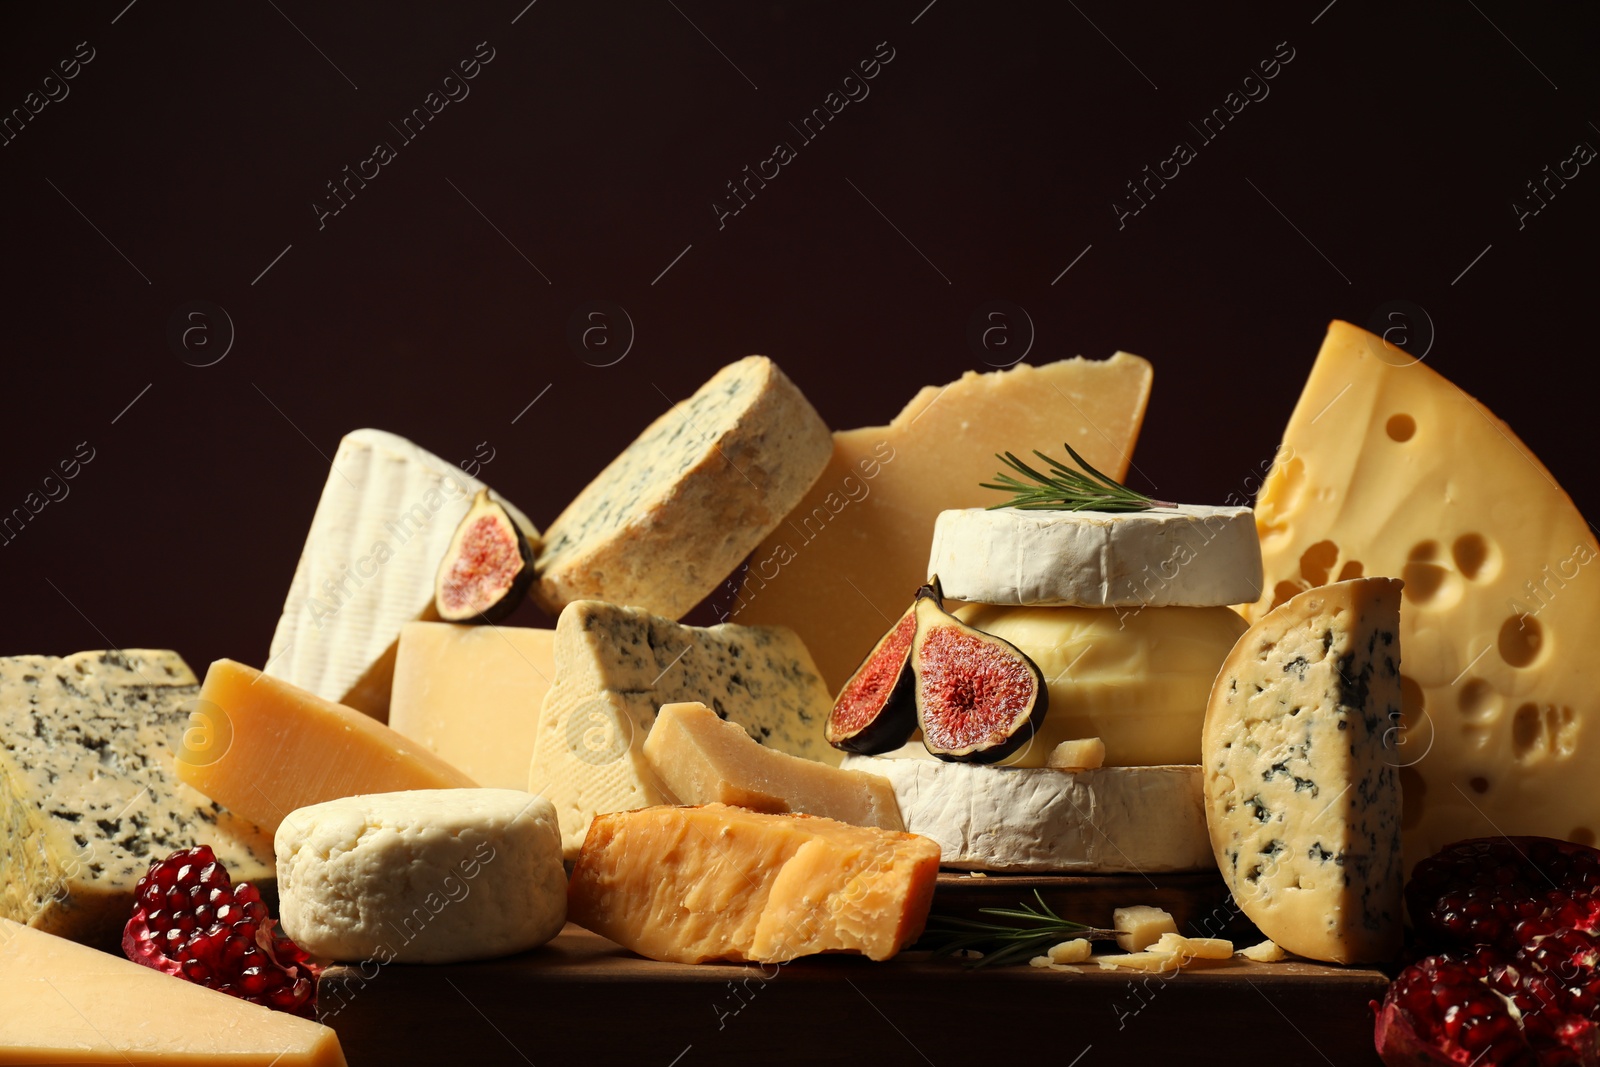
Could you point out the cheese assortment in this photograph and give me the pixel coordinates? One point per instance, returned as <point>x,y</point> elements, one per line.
<point>1301,783</point>
<point>615,668</point>
<point>388,512</point>
<point>1064,687</point>
<point>849,554</point>
<point>428,876</point>
<point>90,790</point>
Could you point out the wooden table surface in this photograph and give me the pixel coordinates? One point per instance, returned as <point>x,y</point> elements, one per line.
<point>582,999</point>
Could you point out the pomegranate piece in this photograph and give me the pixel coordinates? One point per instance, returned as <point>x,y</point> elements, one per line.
<point>191,921</point>
<point>1518,978</point>
<point>1504,890</point>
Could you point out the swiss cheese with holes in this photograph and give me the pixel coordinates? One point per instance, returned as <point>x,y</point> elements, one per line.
<point>1388,468</point>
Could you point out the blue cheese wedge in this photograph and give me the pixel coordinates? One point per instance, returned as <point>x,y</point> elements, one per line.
<point>616,667</point>
<point>1302,780</point>
<point>1190,555</point>
<point>382,525</point>
<point>679,509</point>
<point>89,793</point>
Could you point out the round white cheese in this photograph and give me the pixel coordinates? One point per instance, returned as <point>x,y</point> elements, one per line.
<point>1114,819</point>
<point>425,876</point>
<point>1138,680</point>
<point>1191,555</point>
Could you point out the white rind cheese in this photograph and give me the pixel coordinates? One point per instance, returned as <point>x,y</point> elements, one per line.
<point>1115,819</point>
<point>1191,555</point>
<point>89,792</point>
<point>382,525</point>
<point>423,876</point>
<point>616,667</point>
<point>1302,785</point>
<point>679,509</point>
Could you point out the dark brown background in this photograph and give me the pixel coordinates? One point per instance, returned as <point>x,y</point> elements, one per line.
<point>996,140</point>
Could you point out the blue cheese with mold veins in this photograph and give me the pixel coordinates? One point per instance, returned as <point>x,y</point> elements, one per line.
<point>616,666</point>
<point>678,510</point>
<point>1302,778</point>
<point>89,794</point>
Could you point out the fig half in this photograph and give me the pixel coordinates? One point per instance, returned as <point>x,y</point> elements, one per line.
<point>488,567</point>
<point>979,698</point>
<point>876,711</point>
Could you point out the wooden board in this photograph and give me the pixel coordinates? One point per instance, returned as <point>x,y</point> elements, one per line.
<point>583,1000</point>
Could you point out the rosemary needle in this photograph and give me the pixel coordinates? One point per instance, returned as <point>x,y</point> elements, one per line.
<point>1030,933</point>
<point>1065,489</point>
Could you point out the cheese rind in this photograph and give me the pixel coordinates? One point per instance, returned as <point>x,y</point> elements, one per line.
<point>1191,555</point>
<point>616,667</point>
<point>67,1003</point>
<point>471,695</point>
<point>694,884</point>
<point>703,759</point>
<point>1407,475</point>
<point>90,793</point>
<point>850,556</point>
<point>1301,785</point>
<point>384,520</point>
<point>1136,679</point>
<point>426,876</point>
<point>1039,819</point>
<point>286,748</point>
<point>681,506</point>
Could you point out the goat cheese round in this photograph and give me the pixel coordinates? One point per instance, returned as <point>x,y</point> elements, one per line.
<point>424,876</point>
<point>1192,555</point>
<point>1115,819</point>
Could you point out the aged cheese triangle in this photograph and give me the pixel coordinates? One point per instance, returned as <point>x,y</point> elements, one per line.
<point>66,1003</point>
<point>1387,468</point>
<point>383,523</point>
<point>846,561</point>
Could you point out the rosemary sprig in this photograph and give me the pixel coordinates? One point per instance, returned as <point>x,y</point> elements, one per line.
<point>1065,489</point>
<point>1032,931</point>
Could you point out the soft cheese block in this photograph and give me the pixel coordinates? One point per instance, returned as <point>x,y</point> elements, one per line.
<point>1113,819</point>
<point>274,747</point>
<point>1190,555</point>
<point>850,556</point>
<point>1301,779</point>
<point>679,509</point>
<point>1136,678</point>
<point>69,1004</point>
<point>616,666</point>
<point>701,758</point>
<point>382,525</point>
<point>694,884</point>
<point>471,695</point>
<point>90,792</point>
<point>1389,468</point>
<point>426,876</point>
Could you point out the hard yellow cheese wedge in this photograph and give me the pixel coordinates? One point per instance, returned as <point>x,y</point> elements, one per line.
<point>64,1003</point>
<point>702,759</point>
<point>1387,468</point>
<point>267,747</point>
